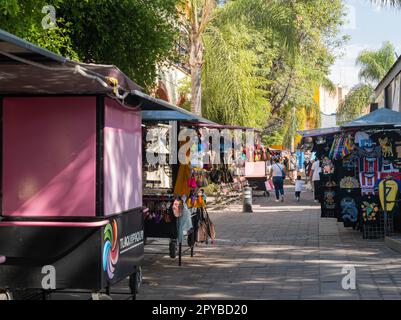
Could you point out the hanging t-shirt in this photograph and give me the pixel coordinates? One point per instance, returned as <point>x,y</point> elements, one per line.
<point>349,182</point>
<point>361,137</point>
<point>370,209</point>
<point>387,142</point>
<point>349,210</point>
<point>369,164</point>
<point>329,203</point>
<point>387,166</point>
<point>368,181</point>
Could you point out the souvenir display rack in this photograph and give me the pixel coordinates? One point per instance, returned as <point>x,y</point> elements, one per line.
<point>361,175</point>
<point>158,195</point>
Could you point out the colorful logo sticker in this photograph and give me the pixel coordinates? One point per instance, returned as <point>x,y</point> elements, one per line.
<point>111,248</point>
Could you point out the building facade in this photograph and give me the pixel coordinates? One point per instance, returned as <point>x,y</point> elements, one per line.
<point>388,91</point>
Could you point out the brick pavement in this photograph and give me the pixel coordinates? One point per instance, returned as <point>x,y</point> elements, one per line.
<point>281,251</point>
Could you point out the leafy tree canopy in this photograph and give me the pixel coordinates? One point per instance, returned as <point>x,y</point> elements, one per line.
<point>135,35</point>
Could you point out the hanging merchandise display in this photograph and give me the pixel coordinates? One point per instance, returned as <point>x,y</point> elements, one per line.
<point>388,193</point>
<point>353,169</point>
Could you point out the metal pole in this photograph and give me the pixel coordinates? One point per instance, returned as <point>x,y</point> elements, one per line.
<point>385,208</point>
<point>179,253</point>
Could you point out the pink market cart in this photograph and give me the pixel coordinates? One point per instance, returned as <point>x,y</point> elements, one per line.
<point>71,173</point>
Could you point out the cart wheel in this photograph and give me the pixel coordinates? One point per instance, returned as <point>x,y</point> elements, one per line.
<point>135,281</point>
<point>173,249</point>
<point>100,296</point>
<point>6,295</point>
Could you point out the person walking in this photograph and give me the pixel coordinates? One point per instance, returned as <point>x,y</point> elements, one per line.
<point>315,172</point>
<point>299,184</point>
<point>308,170</point>
<point>277,174</point>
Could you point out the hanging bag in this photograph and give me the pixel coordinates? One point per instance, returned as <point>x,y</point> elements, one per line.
<point>269,185</point>
<point>211,231</point>
<point>192,182</point>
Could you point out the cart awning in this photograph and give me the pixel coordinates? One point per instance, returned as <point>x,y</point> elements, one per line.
<point>26,69</point>
<point>160,110</point>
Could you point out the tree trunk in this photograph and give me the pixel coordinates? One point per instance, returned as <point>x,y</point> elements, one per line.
<point>196,100</point>
<point>195,61</point>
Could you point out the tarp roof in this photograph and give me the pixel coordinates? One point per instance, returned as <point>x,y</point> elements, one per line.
<point>26,69</point>
<point>152,112</point>
<point>377,118</point>
<point>319,132</point>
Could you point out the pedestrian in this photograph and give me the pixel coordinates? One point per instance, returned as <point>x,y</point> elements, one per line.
<point>293,168</point>
<point>315,172</point>
<point>299,184</point>
<point>277,174</point>
<point>308,168</point>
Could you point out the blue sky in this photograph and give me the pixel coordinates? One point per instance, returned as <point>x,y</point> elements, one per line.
<point>368,26</point>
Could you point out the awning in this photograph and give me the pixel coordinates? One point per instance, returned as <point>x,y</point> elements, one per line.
<point>319,132</point>
<point>160,110</point>
<point>378,118</point>
<point>28,69</point>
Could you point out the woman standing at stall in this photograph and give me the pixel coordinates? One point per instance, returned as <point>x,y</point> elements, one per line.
<point>315,173</point>
<point>277,173</point>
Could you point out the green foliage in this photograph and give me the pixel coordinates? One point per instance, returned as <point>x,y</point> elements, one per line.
<point>232,88</point>
<point>355,102</point>
<point>24,19</point>
<point>375,64</point>
<point>135,35</point>
<point>294,78</point>
<point>264,57</point>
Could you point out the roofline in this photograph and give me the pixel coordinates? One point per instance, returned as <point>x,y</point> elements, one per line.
<point>391,74</point>
<point>8,37</point>
<point>170,106</point>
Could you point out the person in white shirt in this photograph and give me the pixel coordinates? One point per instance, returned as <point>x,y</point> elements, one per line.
<point>315,172</point>
<point>299,184</point>
<point>277,174</point>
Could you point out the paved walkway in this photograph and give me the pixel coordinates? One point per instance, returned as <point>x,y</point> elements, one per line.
<point>281,251</point>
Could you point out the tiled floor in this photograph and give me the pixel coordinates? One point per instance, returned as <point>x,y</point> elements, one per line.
<point>281,251</point>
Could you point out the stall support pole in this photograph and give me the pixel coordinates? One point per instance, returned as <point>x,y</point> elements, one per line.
<point>179,254</point>
<point>192,252</point>
<point>385,208</point>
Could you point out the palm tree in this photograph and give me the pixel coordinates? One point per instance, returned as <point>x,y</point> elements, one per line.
<point>198,14</point>
<point>375,64</point>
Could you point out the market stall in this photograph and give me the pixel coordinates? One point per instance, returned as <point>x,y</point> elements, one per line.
<point>168,184</point>
<point>71,173</point>
<point>360,175</point>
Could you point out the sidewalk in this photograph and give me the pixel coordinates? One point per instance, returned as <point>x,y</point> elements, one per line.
<point>281,251</point>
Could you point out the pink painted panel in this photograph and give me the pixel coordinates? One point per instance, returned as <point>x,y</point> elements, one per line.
<point>49,156</point>
<point>255,169</point>
<point>122,159</point>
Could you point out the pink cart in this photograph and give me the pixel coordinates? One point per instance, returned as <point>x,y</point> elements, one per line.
<point>71,173</point>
